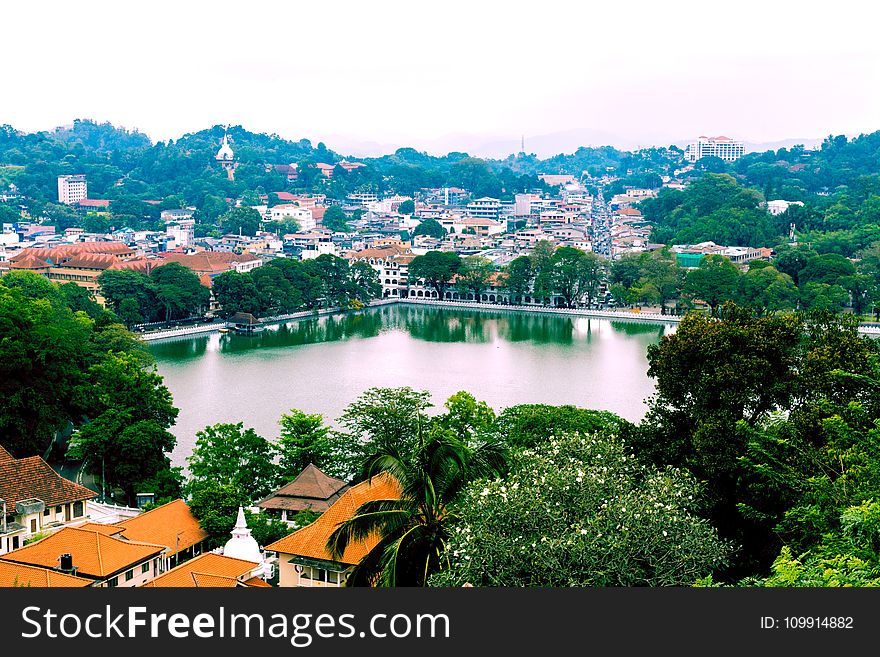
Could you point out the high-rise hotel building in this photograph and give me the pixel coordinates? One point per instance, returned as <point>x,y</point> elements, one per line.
<point>72,189</point>
<point>726,148</point>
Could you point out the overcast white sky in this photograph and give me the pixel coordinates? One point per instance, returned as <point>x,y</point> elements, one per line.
<point>416,70</point>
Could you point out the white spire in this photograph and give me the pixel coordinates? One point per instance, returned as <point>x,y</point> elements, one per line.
<point>242,545</point>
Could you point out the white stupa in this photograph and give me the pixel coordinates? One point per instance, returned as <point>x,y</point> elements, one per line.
<point>242,545</point>
<point>225,153</point>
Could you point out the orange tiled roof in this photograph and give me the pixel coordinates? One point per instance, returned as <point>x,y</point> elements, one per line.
<point>107,530</point>
<point>61,252</point>
<point>17,574</point>
<point>144,265</point>
<point>382,252</point>
<point>257,583</point>
<point>162,525</point>
<point>311,540</point>
<point>95,555</point>
<point>208,570</point>
<point>209,262</point>
<point>89,261</point>
<point>33,478</point>
<point>28,262</point>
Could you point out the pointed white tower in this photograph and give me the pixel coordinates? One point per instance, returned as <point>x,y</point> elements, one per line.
<point>225,156</point>
<point>242,545</point>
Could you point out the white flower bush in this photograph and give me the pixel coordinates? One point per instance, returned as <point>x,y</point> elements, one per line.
<point>578,510</point>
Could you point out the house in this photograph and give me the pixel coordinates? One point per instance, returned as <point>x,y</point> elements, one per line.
<point>17,574</point>
<point>35,499</point>
<point>172,526</point>
<point>91,552</point>
<point>303,558</point>
<point>210,570</point>
<point>312,490</point>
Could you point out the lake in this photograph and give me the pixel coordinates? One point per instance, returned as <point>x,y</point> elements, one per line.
<point>319,365</point>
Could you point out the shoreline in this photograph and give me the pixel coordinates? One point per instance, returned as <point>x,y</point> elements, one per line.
<point>463,305</point>
<point>614,315</point>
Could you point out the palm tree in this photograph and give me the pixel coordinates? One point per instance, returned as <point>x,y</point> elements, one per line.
<point>413,530</point>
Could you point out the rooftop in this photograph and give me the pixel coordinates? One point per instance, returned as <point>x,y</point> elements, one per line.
<point>95,555</point>
<point>208,570</point>
<point>311,540</point>
<point>312,490</point>
<point>171,525</point>
<point>31,477</point>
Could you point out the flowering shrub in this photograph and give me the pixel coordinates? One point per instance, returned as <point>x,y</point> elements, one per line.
<point>580,511</point>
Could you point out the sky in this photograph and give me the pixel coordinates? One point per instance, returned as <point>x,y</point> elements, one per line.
<point>432,74</point>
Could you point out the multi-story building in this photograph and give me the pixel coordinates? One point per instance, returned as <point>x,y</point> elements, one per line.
<point>484,208</point>
<point>72,189</point>
<point>182,231</point>
<point>722,147</point>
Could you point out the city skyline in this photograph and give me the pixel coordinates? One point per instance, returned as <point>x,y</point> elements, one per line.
<point>367,79</point>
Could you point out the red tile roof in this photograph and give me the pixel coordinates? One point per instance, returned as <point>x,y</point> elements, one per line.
<point>33,478</point>
<point>94,203</point>
<point>17,574</point>
<point>208,570</point>
<point>311,540</point>
<point>95,555</point>
<point>172,525</point>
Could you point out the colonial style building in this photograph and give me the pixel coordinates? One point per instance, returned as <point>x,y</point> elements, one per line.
<point>34,499</point>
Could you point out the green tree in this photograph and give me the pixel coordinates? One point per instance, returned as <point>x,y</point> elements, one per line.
<point>215,505</point>
<point>228,454</point>
<point>518,278</point>
<point>576,275</point>
<point>304,439</point>
<point>237,293</point>
<point>379,418</point>
<point>436,268</point>
<point>715,281</point>
<point>179,292</point>
<point>431,228</point>
<point>335,219</point>
<point>474,275</point>
<point>130,294</point>
<point>578,511</point>
<point>407,207</point>
<point>44,353</point>
<point>466,417</point>
<point>244,221</point>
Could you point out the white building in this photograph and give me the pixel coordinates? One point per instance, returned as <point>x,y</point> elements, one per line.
<point>725,148</point>
<point>182,231</point>
<point>484,208</point>
<point>72,189</point>
<point>302,216</point>
<point>779,206</point>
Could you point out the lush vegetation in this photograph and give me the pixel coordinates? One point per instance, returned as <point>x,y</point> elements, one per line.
<point>67,364</point>
<point>286,285</point>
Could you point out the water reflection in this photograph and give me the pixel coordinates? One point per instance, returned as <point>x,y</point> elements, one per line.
<point>639,328</point>
<point>422,323</point>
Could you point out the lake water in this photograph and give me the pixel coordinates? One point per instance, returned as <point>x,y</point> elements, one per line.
<point>319,365</point>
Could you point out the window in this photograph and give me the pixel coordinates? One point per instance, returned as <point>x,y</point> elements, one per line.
<point>129,575</point>
<point>46,512</point>
<point>77,509</point>
<point>33,525</point>
<point>145,568</point>
<point>15,542</point>
<point>59,509</point>
<point>113,582</point>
